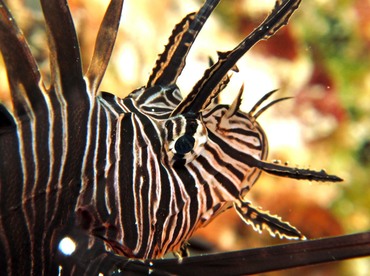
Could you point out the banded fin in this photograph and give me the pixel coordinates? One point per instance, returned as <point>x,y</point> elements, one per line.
<point>261,220</point>
<point>172,61</point>
<point>297,173</point>
<point>65,58</point>
<point>105,41</point>
<point>86,260</point>
<point>23,74</point>
<point>266,259</point>
<point>202,92</point>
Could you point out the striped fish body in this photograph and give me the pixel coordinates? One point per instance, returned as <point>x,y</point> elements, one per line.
<point>42,155</point>
<point>176,193</point>
<point>107,169</point>
<point>133,177</point>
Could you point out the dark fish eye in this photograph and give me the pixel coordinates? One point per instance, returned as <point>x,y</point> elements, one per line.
<point>184,144</point>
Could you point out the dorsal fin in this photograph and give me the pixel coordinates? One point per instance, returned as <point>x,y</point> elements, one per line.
<point>201,94</point>
<point>23,73</point>
<point>104,45</point>
<point>172,61</point>
<point>65,58</point>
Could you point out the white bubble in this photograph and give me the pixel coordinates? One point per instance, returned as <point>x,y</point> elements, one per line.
<point>67,246</point>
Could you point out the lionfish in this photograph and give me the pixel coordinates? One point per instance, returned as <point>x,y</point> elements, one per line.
<point>128,179</point>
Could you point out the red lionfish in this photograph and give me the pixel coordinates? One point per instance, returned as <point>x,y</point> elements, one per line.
<point>124,179</point>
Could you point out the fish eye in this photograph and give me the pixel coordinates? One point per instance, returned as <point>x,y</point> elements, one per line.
<point>185,137</point>
<point>184,144</point>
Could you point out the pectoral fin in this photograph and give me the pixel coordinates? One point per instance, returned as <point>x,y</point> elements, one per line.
<point>261,220</point>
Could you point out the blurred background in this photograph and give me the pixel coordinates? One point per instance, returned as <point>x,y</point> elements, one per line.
<point>321,59</point>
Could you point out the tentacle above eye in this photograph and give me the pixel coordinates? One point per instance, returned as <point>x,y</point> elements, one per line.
<point>203,92</point>
<point>172,61</point>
